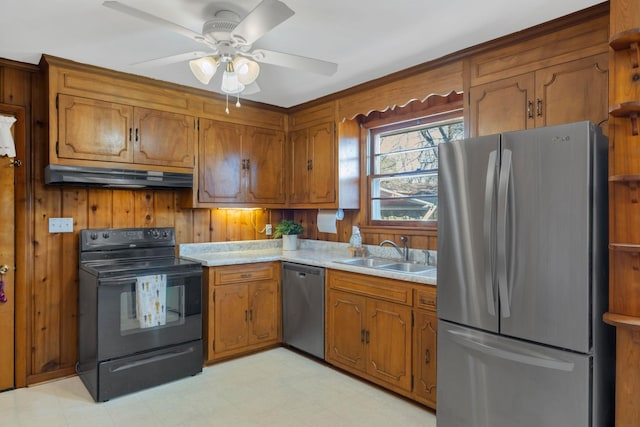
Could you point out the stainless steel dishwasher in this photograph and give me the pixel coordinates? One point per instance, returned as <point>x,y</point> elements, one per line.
<point>303,308</point>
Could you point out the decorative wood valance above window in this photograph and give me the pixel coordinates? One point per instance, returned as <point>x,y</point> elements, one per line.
<point>441,80</point>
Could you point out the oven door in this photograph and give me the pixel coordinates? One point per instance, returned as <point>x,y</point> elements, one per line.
<point>123,329</point>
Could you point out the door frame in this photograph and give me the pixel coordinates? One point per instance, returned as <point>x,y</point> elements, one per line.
<point>22,235</point>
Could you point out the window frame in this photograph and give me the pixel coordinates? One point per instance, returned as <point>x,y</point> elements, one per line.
<point>449,111</point>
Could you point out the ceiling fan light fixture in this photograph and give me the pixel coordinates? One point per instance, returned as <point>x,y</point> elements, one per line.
<point>204,68</point>
<point>230,82</point>
<point>246,69</point>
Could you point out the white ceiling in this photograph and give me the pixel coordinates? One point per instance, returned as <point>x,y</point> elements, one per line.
<point>367,39</point>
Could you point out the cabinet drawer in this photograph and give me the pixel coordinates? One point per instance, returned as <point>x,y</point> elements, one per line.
<point>244,272</point>
<point>371,286</point>
<point>426,298</point>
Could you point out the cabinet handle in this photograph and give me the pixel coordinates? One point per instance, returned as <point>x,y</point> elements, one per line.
<point>366,337</point>
<point>130,134</point>
<point>530,109</point>
<point>539,107</point>
<point>362,336</point>
<point>427,357</point>
<point>246,315</point>
<point>309,164</point>
<point>248,163</point>
<point>245,275</point>
<point>251,314</point>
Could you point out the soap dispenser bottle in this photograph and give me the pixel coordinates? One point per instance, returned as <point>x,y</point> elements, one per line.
<point>356,240</point>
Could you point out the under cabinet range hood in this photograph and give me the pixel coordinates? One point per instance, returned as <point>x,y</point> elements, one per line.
<point>115,178</point>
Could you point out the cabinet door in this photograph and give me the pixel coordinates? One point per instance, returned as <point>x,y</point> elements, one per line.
<point>264,311</point>
<point>220,167</point>
<point>572,92</point>
<point>94,130</point>
<point>265,166</point>
<point>345,329</point>
<point>231,314</point>
<point>502,106</point>
<point>322,172</point>
<point>163,138</point>
<point>388,342</point>
<point>424,357</point>
<point>298,167</point>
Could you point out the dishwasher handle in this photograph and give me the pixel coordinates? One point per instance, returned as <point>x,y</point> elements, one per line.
<point>303,270</point>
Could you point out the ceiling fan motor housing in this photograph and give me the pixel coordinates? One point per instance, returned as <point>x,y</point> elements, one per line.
<point>219,28</point>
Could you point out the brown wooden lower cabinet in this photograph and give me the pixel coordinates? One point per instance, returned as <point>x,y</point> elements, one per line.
<point>242,310</point>
<point>425,336</point>
<point>374,331</point>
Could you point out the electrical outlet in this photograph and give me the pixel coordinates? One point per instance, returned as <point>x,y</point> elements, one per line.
<point>60,225</point>
<point>268,230</point>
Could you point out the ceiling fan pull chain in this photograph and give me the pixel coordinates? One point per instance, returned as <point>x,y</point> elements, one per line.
<point>226,110</point>
<point>238,101</point>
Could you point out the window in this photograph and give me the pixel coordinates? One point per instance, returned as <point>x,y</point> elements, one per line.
<point>403,169</point>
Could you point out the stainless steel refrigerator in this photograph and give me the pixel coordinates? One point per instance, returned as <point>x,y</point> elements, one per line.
<point>522,280</point>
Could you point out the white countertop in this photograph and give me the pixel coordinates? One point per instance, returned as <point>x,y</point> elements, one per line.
<point>310,252</point>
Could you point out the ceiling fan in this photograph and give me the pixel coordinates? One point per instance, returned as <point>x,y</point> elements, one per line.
<point>229,39</point>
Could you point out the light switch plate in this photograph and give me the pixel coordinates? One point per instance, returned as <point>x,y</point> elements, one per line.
<point>60,225</point>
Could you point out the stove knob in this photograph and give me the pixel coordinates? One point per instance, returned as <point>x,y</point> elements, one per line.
<point>93,236</point>
<point>105,234</point>
<point>165,234</point>
<point>155,234</point>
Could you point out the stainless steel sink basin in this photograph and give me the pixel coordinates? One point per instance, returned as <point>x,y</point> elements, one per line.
<point>407,267</point>
<point>366,262</point>
<point>388,264</point>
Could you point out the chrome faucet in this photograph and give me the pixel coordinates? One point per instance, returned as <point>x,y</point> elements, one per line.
<point>404,252</point>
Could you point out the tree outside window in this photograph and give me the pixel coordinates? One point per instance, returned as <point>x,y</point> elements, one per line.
<point>404,170</point>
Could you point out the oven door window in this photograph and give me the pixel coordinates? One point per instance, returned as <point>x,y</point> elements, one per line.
<point>130,321</point>
<point>160,307</point>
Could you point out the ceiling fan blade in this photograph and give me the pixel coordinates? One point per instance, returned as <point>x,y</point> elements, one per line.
<point>266,16</point>
<point>294,61</point>
<point>166,60</point>
<point>152,19</point>
<point>251,89</point>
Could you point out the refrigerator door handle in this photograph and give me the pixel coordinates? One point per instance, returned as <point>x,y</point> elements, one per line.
<point>509,352</point>
<point>488,215</point>
<point>503,191</point>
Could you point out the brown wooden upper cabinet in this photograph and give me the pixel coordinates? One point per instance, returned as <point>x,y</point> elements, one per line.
<point>313,165</point>
<point>564,93</point>
<point>323,160</point>
<point>95,130</point>
<point>557,77</point>
<point>240,164</point>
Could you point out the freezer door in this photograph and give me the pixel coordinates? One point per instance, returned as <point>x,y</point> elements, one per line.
<point>486,380</point>
<point>545,273</point>
<point>467,184</point>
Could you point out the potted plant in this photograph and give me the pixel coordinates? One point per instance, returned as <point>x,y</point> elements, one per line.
<point>288,230</point>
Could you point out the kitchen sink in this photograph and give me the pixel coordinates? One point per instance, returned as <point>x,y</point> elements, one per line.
<point>407,267</point>
<point>366,262</point>
<point>388,264</point>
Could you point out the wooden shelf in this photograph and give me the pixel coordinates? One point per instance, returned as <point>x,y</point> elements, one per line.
<point>625,39</point>
<point>630,110</point>
<point>624,178</point>
<point>628,40</point>
<point>621,320</point>
<point>624,247</point>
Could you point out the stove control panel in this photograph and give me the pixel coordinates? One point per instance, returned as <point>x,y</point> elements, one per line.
<point>117,238</point>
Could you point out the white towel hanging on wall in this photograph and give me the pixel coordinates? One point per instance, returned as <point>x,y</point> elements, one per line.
<point>7,146</point>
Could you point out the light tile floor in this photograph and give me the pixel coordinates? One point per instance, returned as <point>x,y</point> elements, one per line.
<point>273,388</point>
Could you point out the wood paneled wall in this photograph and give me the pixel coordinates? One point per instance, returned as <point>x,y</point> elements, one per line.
<point>54,286</point>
